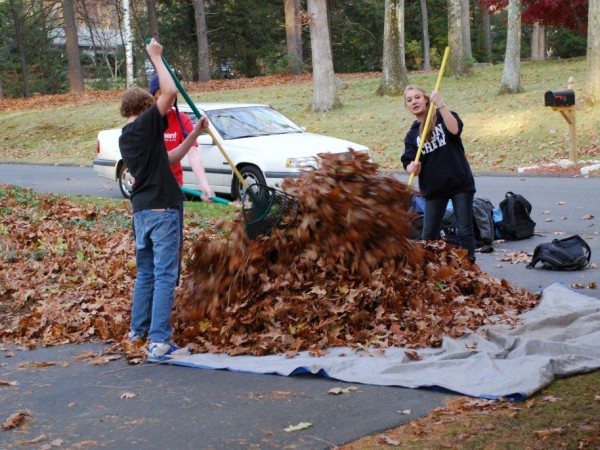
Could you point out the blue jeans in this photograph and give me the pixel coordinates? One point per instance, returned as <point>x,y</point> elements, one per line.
<point>463,211</point>
<point>157,244</point>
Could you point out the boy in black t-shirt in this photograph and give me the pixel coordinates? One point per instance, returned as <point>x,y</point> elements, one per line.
<point>156,199</point>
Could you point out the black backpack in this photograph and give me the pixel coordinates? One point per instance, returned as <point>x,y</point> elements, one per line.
<point>571,253</point>
<point>516,222</point>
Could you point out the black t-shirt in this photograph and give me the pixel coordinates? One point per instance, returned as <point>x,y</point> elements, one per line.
<point>143,150</point>
<point>445,170</point>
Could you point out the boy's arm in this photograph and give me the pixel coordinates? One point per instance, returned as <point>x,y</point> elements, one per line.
<point>168,89</point>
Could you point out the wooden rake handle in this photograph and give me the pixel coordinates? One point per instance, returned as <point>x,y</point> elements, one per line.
<point>430,113</point>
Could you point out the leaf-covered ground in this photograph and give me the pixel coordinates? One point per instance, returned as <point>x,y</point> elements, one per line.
<point>341,270</point>
<point>91,96</point>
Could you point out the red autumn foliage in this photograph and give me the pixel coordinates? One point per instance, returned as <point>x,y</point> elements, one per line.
<point>570,14</point>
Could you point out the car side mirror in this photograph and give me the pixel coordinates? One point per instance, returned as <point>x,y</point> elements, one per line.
<point>205,139</point>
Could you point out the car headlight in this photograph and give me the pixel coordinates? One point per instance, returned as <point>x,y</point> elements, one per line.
<point>305,162</point>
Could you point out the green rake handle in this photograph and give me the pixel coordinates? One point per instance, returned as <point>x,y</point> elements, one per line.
<point>199,194</point>
<point>216,140</point>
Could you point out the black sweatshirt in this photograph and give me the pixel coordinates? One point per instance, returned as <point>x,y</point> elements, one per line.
<point>445,170</point>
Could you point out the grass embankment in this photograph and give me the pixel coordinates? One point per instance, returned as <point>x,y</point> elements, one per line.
<point>501,133</point>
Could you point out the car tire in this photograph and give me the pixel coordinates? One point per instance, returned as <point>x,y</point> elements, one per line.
<point>251,174</point>
<point>125,181</point>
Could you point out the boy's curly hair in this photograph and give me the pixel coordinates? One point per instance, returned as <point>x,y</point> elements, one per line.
<point>135,101</point>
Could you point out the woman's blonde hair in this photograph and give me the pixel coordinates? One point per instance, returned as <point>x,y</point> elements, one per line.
<point>433,122</point>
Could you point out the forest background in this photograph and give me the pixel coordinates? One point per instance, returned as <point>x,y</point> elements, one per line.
<point>40,40</point>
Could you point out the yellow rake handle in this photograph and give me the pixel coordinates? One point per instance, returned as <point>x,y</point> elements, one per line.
<point>430,113</point>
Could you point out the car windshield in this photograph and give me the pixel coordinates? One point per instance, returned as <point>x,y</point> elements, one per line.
<point>236,123</point>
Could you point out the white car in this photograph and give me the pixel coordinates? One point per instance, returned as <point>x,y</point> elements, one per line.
<point>264,145</point>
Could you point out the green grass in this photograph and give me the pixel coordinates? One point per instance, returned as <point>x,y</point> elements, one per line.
<point>501,133</point>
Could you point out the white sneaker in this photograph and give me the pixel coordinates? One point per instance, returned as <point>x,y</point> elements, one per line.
<point>163,351</point>
<point>134,337</point>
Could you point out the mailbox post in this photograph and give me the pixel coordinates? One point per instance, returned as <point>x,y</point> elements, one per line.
<point>564,102</point>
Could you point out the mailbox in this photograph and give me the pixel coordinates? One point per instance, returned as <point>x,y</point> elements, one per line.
<point>559,98</point>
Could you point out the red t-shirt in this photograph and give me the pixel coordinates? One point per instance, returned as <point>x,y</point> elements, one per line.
<point>174,136</point>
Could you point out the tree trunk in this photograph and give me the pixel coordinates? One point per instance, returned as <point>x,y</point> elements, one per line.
<point>15,8</point>
<point>457,65</point>
<point>535,42</point>
<point>127,42</point>
<point>542,46</point>
<point>324,91</point>
<point>202,39</point>
<point>486,31</point>
<point>152,7</point>
<point>293,35</point>
<point>425,26</point>
<point>394,77</point>
<point>72,43</point>
<point>91,29</point>
<point>592,89</point>
<point>466,29</point>
<point>511,75</point>
<point>2,94</point>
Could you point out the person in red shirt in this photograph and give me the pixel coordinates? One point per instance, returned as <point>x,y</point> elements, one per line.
<point>180,125</point>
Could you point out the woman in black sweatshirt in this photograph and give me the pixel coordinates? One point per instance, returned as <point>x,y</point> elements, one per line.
<point>443,170</point>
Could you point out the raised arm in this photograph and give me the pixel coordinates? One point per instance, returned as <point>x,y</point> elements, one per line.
<point>449,120</point>
<point>168,89</point>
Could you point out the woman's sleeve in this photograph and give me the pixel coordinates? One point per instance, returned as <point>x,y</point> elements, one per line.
<point>410,151</point>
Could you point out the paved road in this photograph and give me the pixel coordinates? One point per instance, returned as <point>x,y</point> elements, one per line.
<point>175,407</point>
<point>68,180</point>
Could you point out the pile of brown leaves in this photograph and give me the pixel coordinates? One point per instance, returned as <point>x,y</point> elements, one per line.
<point>341,271</point>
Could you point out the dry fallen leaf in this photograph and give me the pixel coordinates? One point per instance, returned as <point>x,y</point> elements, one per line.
<point>36,440</point>
<point>544,434</point>
<point>385,439</point>
<point>413,355</point>
<point>338,390</point>
<point>54,444</point>
<point>300,426</point>
<point>15,420</point>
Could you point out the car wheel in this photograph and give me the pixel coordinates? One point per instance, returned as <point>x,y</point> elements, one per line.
<point>251,174</point>
<point>125,181</point>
